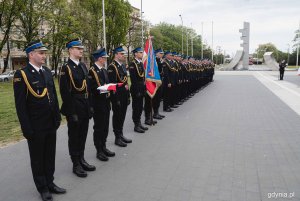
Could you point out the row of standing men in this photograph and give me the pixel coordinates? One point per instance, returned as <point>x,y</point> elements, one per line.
<point>39,115</point>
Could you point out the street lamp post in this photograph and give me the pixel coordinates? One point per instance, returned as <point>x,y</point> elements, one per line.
<point>201,40</point>
<point>187,41</point>
<point>212,41</point>
<point>142,23</point>
<point>298,42</point>
<point>288,52</point>
<point>104,28</point>
<point>181,34</point>
<point>192,48</point>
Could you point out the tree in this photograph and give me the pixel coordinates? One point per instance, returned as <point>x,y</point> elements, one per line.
<point>92,32</point>
<point>117,22</point>
<point>269,47</point>
<point>169,37</point>
<point>34,14</point>
<point>134,34</point>
<point>62,26</point>
<point>9,10</point>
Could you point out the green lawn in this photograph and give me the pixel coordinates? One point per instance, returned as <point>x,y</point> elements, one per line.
<point>292,67</point>
<point>10,130</point>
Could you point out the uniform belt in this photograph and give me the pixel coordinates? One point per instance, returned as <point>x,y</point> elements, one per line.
<point>84,96</point>
<point>102,96</point>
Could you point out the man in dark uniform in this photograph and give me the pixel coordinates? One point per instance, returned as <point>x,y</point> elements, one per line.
<point>76,106</point>
<point>282,66</point>
<point>38,112</point>
<point>157,98</point>
<point>101,104</point>
<point>137,89</point>
<point>168,83</point>
<point>121,98</point>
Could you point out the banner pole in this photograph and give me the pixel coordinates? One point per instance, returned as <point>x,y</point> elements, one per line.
<point>151,112</point>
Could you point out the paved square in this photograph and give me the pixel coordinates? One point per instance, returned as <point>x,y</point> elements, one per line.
<point>235,140</point>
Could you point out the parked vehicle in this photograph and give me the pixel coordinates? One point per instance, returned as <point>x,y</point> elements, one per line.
<point>5,77</point>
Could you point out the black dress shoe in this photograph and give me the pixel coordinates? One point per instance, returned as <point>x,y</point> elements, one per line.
<point>168,110</point>
<point>156,116</point>
<point>162,116</point>
<point>126,140</point>
<point>120,143</point>
<point>79,171</point>
<point>138,129</point>
<point>108,153</point>
<point>148,122</point>
<point>46,196</point>
<point>143,127</point>
<point>86,166</point>
<point>101,156</point>
<point>55,189</point>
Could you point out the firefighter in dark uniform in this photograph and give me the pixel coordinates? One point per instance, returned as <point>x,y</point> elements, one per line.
<point>137,89</point>
<point>157,98</point>
<point>169,75</point>
<point>101,104</point>
<point>38,112</point>
<point>121,98</point>
<point>76,106</point>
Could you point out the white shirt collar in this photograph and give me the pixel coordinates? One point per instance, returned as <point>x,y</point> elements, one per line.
<point>76,62</point>
<point>35,67</point>
<point>98,66</point>
<point>118,63</point>
<point>138,60</point>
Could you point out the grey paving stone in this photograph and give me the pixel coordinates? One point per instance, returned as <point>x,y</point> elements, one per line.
<point>234,140</point>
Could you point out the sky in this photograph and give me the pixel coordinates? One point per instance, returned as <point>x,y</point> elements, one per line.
<point>273,21</point>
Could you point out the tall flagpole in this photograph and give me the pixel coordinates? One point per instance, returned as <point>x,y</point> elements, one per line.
<point>187,41</point>
<point>142,23</point>
<point>192,48</point>
<point>298,43</point>
<point>104,28</point>
<point>202,40</point>
<point>212,41</point>
<point>181,34</point>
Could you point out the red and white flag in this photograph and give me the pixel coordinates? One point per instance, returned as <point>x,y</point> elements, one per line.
<point>108,87</point>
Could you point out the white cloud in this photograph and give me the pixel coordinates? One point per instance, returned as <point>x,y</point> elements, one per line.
<point>270,20</point>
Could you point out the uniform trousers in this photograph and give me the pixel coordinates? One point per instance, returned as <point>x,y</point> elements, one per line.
<point>42,149</point>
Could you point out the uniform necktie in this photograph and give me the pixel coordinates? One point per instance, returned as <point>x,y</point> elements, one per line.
<point>42,74</point>
<point>105,76</point>
<point>124,68</point>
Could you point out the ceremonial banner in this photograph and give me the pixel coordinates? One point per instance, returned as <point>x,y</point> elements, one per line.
<point>152,76</point>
